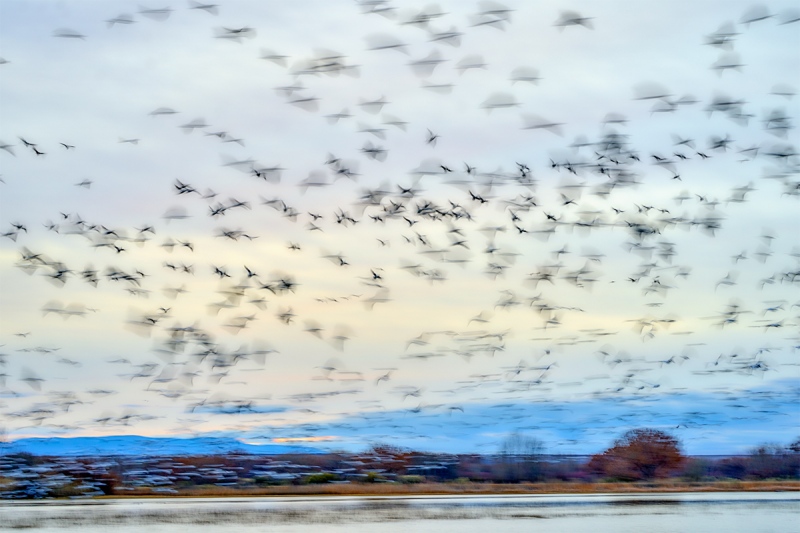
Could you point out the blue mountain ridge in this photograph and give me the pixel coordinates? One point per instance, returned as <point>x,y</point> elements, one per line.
<point>134,445</point>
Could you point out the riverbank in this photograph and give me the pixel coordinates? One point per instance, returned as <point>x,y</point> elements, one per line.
<point>469,488</point>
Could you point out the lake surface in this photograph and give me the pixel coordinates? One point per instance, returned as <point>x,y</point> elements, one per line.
<point>773,512</point>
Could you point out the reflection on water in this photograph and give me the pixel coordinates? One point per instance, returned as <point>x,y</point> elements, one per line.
<point>751,512</point>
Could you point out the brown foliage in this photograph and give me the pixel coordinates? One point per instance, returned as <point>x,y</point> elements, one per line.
<point>639,454</point>
<point>389,489</point>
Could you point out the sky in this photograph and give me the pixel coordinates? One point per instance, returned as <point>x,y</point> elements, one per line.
<point>433,225</point>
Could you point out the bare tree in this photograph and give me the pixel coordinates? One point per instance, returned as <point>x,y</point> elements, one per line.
<point>521,457</point>
<point>794,447</point>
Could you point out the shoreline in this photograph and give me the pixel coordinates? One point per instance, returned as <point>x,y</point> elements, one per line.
<point>467,489</point>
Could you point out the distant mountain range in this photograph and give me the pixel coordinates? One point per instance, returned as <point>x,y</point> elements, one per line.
<point>134,445</point>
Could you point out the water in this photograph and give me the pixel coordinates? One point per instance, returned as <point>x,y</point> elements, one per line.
<point>775,512</point>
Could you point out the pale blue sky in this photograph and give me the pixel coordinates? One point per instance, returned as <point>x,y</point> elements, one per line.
<point>426,308</point>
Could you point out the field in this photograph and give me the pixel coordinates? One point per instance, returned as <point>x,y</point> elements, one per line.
<point>470,488</point>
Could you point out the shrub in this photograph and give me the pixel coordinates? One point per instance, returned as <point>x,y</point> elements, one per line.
<point>325,477</point>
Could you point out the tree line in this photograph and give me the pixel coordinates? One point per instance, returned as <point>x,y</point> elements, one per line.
<point>646,454</point>
<point>643,454</point>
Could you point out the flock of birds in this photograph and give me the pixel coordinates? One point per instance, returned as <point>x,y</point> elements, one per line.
<point>520,279</point>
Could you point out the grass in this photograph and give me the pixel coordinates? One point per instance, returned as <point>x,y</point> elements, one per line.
<point>398,489</point>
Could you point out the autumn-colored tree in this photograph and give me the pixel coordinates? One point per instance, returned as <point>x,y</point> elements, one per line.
<point>393,459</point>
<point>639,454</point>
